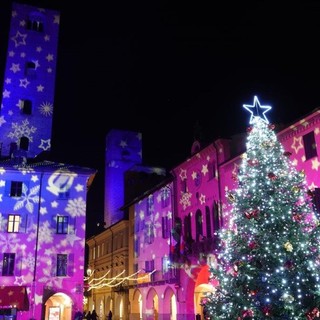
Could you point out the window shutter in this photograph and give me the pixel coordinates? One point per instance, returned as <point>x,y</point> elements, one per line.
<point>53,224</point>
<point>23,223</point>
<point>72,225</point>
<point>54,265</point>
<point>70,265</point>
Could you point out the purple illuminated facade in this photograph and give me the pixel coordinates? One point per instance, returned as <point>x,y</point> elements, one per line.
<point>42,203</point>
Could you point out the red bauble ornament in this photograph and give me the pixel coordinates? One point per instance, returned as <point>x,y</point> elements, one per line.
<point>253,162</point>
<point>249,129</point>
<point>271,126</point>
<point>272,176</point>
<point>287,154</point>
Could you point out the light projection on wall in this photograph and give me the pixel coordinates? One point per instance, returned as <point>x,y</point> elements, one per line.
<point>27,97</point>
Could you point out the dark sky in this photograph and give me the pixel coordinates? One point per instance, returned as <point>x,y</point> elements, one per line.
<point>158,67</point>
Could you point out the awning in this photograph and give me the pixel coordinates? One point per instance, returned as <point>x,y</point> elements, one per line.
<point>204,277</point>
<point>14,297</point>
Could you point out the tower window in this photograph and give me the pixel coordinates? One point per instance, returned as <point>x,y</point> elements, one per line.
<point>35,25</point>
<point>30,68</point>
<point>26,107</point>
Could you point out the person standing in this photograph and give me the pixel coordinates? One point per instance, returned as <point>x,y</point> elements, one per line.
<point>94,315</point>
<point>110,315</point>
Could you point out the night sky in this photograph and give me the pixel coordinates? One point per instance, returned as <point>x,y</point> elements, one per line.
<point>160,67</point>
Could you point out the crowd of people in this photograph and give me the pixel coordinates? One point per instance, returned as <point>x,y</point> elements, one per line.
<point>90,315</point>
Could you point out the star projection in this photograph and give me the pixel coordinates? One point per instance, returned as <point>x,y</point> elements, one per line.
<point>269,260</point>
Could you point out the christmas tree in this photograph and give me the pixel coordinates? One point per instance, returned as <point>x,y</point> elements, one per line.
<point>268,261</point>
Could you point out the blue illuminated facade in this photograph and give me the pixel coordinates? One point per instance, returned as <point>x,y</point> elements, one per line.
<point>29,81</point>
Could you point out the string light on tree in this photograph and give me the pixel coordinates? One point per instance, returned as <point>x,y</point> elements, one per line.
<point>269,255</point>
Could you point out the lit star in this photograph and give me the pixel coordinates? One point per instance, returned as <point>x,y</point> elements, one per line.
<point>19,281</point>
<point>19,39</point>
<point>2,183</point>
<point>34,178</point>
<point>183,174</point>
<point>2,121</point>
<point>204,169</point>
<point>24,83</point>
<point>315,164</point>
<point>297,144</point>
<point>43,210</point>
<point>54,204</point>
<point>123,144</point>
<point>6,94</point>
<point>79,187</point>
<point>202,199</point>
<point>45,144</point>
<point>49,57</point>
<point>40,88</point>
<point>257,108</point>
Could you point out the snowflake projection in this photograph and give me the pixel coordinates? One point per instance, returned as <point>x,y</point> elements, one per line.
<point>46,109</point>
<point>9,242</point>
<point>24,170</point>
<point>76,207</point>
<point>28,199</point>
<point>154,223</point>
<point>33,230</point>
<point>185,199</point>
<point>45,234</point>
<point>49,270</point>
<point>22,130</point>
<point>28,262</point>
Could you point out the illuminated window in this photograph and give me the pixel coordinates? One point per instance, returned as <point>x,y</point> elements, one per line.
<point>310,146</point>
<point>16,189</point>
<point>62,263</point>
<point>13,223</point>
<point>8,264</point>
<point>62,224</point>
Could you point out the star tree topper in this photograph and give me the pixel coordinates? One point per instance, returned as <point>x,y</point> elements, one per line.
<point>256,110</point>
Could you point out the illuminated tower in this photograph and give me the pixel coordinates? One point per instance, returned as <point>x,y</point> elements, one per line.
<point>29,82</point>
<point>123,151</point>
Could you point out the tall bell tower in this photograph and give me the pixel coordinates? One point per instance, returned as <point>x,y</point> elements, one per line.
<point>27,99</point>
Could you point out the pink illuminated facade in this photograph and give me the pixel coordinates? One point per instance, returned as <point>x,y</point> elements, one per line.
<point>173,267</point>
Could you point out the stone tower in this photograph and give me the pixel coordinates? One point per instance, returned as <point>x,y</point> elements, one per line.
<point>29,82</point>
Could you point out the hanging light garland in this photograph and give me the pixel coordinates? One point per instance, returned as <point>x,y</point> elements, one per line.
<point>105,281</point>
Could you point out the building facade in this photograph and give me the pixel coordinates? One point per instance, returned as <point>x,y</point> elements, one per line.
<point>172,226</point>
<point>42,203</point>
<point>29,81</point>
